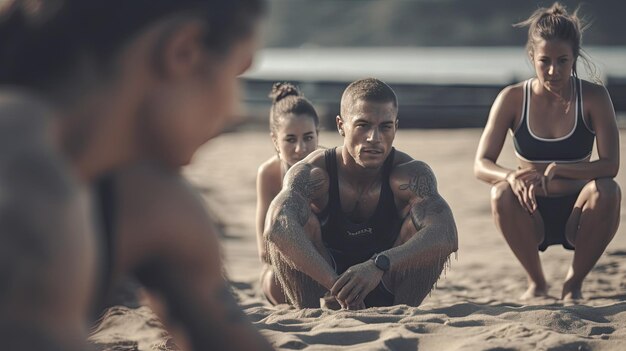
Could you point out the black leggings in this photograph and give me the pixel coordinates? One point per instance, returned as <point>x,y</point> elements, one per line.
<point>555,212</point>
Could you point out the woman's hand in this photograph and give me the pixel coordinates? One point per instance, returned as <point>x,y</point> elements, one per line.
<point>550,172</point>
<point>524,183</point>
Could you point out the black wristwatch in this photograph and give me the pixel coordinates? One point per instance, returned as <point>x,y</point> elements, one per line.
<point>381,261</point>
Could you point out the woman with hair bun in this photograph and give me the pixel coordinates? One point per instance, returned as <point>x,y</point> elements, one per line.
<point>557,195</point>
<point>294,129</point>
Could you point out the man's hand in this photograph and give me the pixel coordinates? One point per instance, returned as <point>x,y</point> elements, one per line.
<point>353,285</point>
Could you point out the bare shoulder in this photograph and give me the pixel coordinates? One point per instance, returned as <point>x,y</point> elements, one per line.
<point>15,103</point>
<point>43,208</point>
<point>23,116</point>
<point>316,158</point>
<point>511,95</point>
<point>597,105</point>
<point>269,175</point>
<point>31,166</point>
<point>308,177</point>
<point>511,98</point>
<point>29,156</point>
<point>268,167</point>
<point>38,189</point>
<point>513,91</point>
<point>406,166</point>
<point>594,93</point>
<point>413,179</point>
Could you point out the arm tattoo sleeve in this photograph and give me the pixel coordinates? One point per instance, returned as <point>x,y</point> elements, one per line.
<point>302,180</point>
<point>422,182</point>
<point>302,186</point>
<point>423,185</point>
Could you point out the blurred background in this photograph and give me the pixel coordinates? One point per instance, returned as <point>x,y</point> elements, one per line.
<point>446,59</point>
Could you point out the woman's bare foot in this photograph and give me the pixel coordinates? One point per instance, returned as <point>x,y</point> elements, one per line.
<point>535,291</point>
<point>571,291</point>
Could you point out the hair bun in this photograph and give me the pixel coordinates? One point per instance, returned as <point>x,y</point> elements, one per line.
<point>557,9</point>
<point>282,90</point>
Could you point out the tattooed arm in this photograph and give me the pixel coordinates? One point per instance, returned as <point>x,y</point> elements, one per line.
<point>289,214</point>
<point>429,232</point>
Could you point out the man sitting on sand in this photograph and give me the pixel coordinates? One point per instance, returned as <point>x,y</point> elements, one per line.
<point>362,221</point>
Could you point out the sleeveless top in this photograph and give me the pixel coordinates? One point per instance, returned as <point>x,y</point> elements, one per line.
<point>359,241</point>
<point>105,207</point>
<point>573,147</point>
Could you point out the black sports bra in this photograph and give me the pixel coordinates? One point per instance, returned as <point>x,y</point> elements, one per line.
<point>573,147</point>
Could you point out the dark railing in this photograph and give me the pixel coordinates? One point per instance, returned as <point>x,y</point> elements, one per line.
<point>420,105</point>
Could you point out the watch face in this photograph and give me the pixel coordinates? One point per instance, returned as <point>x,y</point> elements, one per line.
<point>382,262</point>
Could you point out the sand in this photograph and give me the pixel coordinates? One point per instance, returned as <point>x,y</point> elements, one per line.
<point>475,306</point>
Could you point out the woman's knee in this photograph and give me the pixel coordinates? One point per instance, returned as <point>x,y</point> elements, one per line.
<point>502,197</point>
<point>271,286</point>
<point>603,191</point>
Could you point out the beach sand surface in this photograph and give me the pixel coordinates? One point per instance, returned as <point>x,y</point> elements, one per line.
<point>475,305</point>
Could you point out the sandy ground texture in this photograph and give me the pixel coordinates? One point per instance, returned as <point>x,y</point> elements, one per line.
<point>475,306</point>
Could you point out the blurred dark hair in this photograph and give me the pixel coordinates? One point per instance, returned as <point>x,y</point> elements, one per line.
<point>555,23</point>
<point>41,40</point>
<point>367,89</point>
<point>287,99</point>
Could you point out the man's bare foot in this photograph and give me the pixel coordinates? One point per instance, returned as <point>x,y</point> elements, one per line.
<point>535,291</point>
<point>571,291</point>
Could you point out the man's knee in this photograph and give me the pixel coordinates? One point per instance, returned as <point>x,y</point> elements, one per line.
<point>411,286</point>
<point>502,197</point>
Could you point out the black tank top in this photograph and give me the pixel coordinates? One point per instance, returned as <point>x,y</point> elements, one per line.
<point>105,210</point>
<point>573,147</point>
<point>359,240</point>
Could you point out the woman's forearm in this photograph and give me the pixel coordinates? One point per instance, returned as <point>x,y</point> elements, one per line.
<point>490,172</point>
<point>602,168</point>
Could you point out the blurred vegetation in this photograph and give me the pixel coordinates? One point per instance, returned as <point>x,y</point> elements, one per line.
<point>351,23</point>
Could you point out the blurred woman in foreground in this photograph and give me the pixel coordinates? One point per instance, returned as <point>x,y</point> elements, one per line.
<point>91,86</point>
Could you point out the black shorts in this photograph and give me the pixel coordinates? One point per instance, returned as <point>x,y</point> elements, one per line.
<point>380,296</point>
<point>555,212</point>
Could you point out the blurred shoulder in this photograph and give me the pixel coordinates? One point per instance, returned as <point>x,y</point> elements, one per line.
<point>30,160</point>
<point>157,193</point>
<point>20,112</point>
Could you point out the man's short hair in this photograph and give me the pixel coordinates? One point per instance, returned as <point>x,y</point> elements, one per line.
<point>367,89</point>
